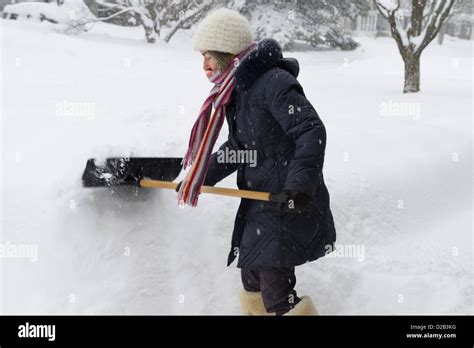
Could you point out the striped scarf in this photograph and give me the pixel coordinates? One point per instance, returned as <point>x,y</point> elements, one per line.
<point>206,130</point>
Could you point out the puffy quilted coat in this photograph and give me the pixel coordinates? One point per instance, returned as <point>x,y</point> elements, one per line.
<point>269,114</point>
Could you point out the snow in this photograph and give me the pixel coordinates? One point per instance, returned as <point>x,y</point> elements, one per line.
<point>403,35</point>
<point>416,41</point>
<point>37,10</point>
<point>398,168</point>
<point>388,5</point>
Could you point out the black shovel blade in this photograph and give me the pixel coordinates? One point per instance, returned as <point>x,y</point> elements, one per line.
<point>123,171</point>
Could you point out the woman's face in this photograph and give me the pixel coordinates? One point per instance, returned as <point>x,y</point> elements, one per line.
<point>209,64</point>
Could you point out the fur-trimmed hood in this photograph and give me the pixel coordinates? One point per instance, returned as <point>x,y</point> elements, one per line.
<point>267,55</point>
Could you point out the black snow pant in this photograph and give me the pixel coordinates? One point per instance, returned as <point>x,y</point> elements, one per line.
<point>276,286</point>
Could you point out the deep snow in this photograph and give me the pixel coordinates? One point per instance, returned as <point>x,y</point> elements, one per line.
<point>400,184</point>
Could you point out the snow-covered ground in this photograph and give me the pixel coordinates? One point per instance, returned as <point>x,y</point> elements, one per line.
<point>398,168</point>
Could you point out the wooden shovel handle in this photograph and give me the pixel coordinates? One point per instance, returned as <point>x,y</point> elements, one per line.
<point>256,195</point>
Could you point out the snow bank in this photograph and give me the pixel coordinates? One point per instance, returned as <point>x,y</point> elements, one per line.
<point>39,11</point>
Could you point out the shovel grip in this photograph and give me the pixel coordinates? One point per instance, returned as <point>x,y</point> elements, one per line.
<point>255,195</point>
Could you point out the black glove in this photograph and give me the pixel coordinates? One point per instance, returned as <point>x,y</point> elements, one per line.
<point>294,202</point>
<point>179,185</point>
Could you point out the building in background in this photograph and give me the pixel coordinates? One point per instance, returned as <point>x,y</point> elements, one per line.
<point>374,23</point>
<point>461,26</point>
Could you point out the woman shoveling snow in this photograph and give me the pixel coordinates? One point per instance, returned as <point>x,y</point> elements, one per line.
<point>256,91</point>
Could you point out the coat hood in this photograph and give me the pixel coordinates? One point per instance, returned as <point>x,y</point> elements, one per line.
<point>267,55</point>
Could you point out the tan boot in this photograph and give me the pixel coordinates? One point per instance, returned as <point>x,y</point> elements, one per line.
<point>304,307</point>
<point>252,303</point>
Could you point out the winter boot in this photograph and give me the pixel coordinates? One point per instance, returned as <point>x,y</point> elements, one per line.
<point>251,303</point>
<point>304,307</point>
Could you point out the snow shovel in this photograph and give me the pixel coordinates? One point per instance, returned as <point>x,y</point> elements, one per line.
<point>154,173</point>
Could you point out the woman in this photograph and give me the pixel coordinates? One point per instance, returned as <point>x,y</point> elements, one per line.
<point>256,91</point>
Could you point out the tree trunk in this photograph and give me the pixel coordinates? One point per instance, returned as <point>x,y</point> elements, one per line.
<point>412,73</point>
<point>150,34</point>
<point>149,27</point>
<point>441,33</point>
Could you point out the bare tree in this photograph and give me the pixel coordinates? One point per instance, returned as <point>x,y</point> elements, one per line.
<point>427,17</point>
<point>155,15</point>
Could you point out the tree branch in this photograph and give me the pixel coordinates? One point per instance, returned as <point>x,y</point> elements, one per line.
<point>183,21</point>
<point>390,15</point>
<point>417,10</point>
<point>382,8</point>
<point>435,24</point>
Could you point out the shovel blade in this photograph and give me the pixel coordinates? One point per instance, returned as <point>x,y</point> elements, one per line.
<point>122,171</point>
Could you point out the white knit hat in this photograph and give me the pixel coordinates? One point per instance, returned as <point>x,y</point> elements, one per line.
<point>223,30</point>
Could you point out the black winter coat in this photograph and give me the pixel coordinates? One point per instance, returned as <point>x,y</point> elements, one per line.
<point>270,114</point>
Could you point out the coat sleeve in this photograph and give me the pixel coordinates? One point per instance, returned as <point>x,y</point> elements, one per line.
<point>218,171</point>
<point>287,103</point>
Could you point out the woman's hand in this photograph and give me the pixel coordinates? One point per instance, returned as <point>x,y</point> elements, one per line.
<point>294,202</point>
